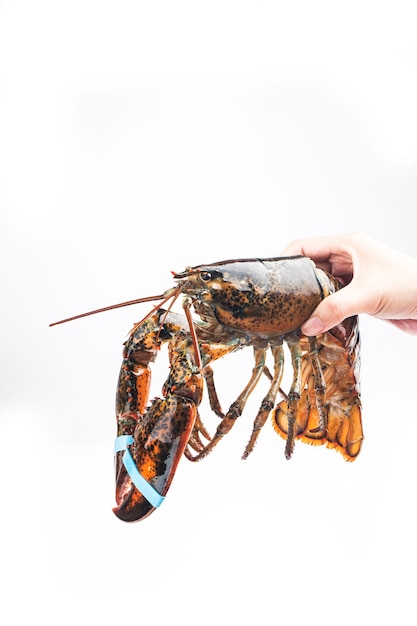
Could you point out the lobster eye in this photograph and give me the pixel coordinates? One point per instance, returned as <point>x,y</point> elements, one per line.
<point>206,276</point>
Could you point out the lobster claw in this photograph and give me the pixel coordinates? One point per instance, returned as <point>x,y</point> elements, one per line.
<point>147,497</point>
<point>151,456</point>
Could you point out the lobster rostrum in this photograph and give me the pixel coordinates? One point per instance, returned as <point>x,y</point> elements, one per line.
<point>239,303</point>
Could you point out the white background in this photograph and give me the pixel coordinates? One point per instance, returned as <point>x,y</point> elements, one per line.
<point>138,138</point>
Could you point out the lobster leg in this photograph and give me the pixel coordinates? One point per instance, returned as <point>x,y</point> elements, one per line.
<point>212,393</point>
<point>237,406</point>
<point>269,401</point>
<point>319,386</point>
<point>293,396</point>
<point>209,351</point>
<point>195,443</point>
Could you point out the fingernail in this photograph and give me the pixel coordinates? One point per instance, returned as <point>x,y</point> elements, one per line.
<point>313,326</point>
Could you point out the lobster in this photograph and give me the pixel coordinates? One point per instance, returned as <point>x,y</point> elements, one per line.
<point>260,303</point>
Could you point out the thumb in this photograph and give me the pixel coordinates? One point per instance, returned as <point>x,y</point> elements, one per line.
<point>331,311</point>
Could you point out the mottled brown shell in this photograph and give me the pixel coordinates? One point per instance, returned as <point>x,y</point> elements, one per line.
<point>262,297</point>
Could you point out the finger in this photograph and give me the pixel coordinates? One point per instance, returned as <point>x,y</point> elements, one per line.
<point>332,311</point>
<point>318,248</point>
<point>408,326</point>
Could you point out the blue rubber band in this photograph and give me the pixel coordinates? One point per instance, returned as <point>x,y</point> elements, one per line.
<point>146,489</point>
<point>122,442</point>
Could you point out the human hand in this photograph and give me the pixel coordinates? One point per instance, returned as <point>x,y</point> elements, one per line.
<point>377,280</point>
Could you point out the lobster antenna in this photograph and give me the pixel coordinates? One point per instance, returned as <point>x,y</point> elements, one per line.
<point>172,293</point>
<point>113,306</point>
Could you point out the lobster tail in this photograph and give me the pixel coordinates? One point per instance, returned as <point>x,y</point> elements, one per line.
<point>338,354</point>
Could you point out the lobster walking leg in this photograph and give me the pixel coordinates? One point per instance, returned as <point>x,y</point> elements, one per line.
<point>237,406</point>
<point>269,401</point>
<point>319,384</point>
<point>294,395</point>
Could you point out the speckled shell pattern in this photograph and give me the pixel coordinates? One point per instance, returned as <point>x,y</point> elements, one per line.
<point>263,297</point>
